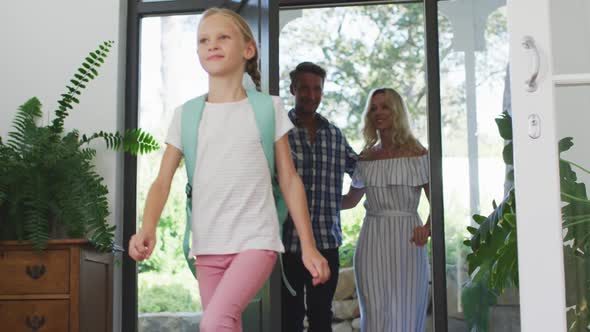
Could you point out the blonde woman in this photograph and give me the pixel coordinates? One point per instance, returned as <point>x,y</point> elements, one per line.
<point>391,265</point>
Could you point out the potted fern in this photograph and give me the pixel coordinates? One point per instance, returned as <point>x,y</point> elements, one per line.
<point>52,197</point>
<point>49,188</point>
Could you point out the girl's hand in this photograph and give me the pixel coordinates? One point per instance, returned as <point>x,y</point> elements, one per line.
<point>142,244</point>
<point>421,235</point>
<point>317,266</point>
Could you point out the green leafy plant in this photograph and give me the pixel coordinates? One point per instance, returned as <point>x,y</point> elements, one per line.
<point>493,244</point>
<point>576,223</point>
<point>493,261</point>
<point>477,298</point>
<point>48,184</point>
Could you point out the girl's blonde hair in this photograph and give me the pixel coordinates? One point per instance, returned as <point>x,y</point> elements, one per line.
<point>402,134</point>
<point>244,28</point>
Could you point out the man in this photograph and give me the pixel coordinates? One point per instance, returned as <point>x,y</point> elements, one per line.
<point>321,156</point>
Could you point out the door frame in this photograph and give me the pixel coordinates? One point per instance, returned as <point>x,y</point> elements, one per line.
<point>438,248</point>
<point>536,165</point>
<point>269,45</point>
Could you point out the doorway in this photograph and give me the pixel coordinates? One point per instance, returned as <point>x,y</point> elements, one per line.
<point>421,34</point>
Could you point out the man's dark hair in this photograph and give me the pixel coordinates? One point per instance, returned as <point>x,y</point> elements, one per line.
<point>307,67</point>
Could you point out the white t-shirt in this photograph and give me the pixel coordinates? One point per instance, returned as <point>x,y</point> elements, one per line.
<point>233,208</point>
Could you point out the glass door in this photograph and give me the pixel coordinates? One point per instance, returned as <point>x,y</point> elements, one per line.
<point>476,168</point>
<point>163,72</point>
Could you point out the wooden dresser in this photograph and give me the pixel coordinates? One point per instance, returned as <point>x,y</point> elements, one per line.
<point>65,288</point>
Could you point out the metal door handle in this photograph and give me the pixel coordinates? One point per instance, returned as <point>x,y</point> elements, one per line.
<point>529,44</point>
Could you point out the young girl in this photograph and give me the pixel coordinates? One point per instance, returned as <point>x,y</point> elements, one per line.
<point>390,262</point>
<point>234,221</point>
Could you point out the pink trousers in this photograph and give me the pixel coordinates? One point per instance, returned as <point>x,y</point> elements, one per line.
<point>228,283</point>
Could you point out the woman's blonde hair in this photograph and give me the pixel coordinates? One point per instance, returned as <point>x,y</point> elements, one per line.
<point>402,134</point>
<point>244,28</point>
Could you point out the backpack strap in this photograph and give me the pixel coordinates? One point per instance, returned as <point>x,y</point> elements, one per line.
<point>264,112</point>
<point>192,111</point>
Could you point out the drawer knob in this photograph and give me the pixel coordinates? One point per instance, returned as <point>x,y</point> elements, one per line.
<point>36,322</point>
<point>36,271</point>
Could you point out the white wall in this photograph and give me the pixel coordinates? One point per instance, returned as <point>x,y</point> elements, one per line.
<point>43,43</point>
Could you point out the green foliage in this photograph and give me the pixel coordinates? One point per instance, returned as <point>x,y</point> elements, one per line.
<point>386,48</point>
<point>504,123</point>
<point>477,298</point>
<point>48,184</point>
<point>577,272</point>
<point>576,223</point>
<point>168,255</point>
<point>167,298</point>
<point>135,141</point>
<point>352,221</point>
<point>87,72</point>
<point>154,264</point>
<point>493,262</point>
<point>493,244</point>
<point>576,214</point>
<point>346,252</point>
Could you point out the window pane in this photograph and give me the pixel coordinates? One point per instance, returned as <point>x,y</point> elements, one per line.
<point>569,28</point>
<point>474,93</point>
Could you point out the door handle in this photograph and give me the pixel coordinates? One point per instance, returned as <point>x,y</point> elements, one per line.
<point>529,44</point>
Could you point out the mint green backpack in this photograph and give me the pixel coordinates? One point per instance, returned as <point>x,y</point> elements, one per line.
<point>264,113</point>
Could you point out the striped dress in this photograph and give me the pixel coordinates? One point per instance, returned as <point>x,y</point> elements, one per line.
<point>391,272</point>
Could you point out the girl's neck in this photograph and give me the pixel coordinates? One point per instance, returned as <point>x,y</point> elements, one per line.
<point>226,89</point>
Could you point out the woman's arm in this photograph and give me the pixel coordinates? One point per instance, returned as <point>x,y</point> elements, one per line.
<point>422,233</point>
<point>294,193</point>
<point>142,244</point>
<point>353,197</point>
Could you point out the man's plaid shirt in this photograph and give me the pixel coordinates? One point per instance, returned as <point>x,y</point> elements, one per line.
<point>321,166</point>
